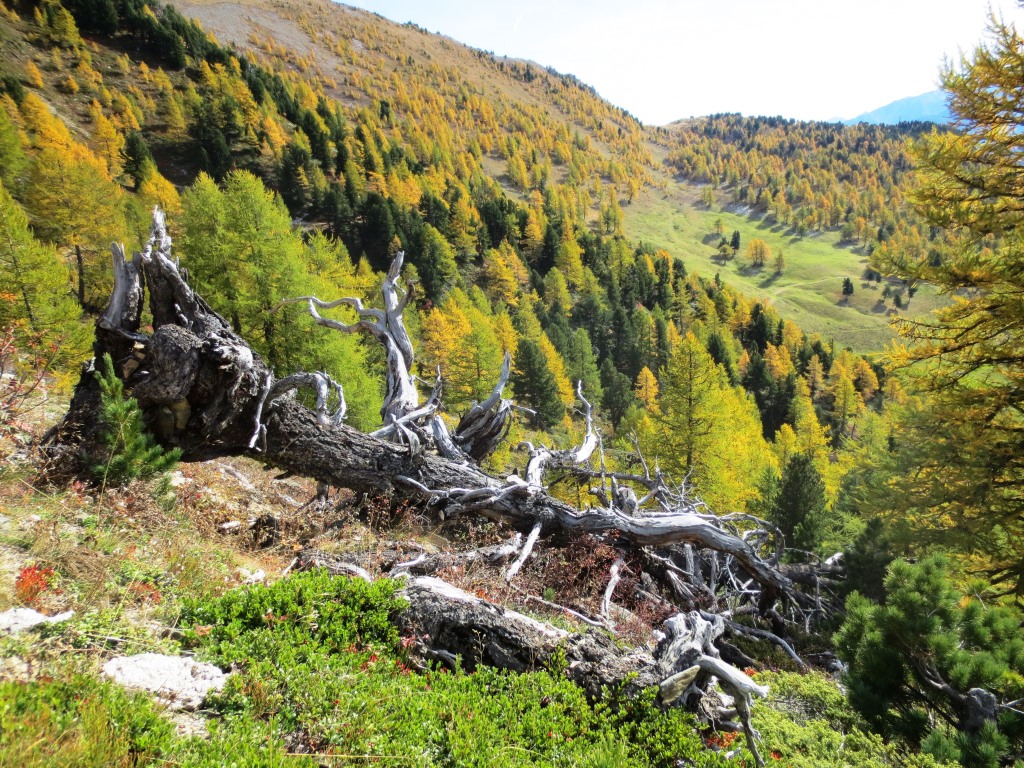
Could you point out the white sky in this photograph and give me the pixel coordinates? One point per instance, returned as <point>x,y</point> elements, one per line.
<point>667,59</point>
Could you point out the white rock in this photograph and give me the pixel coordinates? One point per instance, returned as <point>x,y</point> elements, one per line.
<point>178,479</point>
<point>180,682</point>
<point>252,577</point>
<point>19,619</point>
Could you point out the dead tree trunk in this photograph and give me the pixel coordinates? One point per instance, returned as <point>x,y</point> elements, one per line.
<point>194,360</point>
<point>226,401</point>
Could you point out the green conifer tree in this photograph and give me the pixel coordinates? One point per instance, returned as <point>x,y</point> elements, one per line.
<point>132,453</point>
<point>535,385</point>
<point>800,505</point>
<point>35,295</point>
<point>13,161</point>
<point>927,656</point>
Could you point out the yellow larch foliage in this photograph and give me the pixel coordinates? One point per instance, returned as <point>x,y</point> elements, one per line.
<point>109,140</point>
<point>673,336</point>
<point>47,131</point>
<point>68,84</point>
<point>792,337</point>
<point>568,257</point>
<point>864,379</point>
<point>740,315</point>
<point>437,339</point>
<point>161,81</point>
<point>403,187</point>
<point>815,377</point>
<point>707,429</point>
<point>127,113</point>
<point>274,136</point>
<point>143,102</point>
<point>465,223</point>
<point>646,389</point>
<point>499,278</point>
<point>508,338</point>
<point>533,235</point>
<point>154,189</point>
<point>811,437</point>
<point>174,116</point>
<point>894,392</point>
<point>35,77</point>
<point>785,445</point>
<point>778,362</point>
<point>88,78</point>
<point>556,292</point>
<point>846,400</point>
<point>566,392</point>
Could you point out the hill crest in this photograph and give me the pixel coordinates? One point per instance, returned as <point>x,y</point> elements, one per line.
<point>926,107</point>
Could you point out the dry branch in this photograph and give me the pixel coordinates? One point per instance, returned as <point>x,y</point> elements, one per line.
<point>193,361</point>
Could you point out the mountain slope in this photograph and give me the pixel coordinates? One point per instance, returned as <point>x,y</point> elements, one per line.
<point>529,126</point>
<point>928,107</point>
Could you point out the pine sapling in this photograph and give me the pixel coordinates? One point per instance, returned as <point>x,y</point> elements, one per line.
<point>132,453</point>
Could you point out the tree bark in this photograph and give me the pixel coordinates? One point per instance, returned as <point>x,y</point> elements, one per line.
<point>226,402</point>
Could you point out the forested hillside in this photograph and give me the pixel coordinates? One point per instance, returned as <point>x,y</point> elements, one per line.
<point>297,148</point>
<point>540,269</point>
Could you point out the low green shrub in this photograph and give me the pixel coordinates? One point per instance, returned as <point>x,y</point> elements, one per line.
<point>807,722</point>
<point>321,664</point>
<point>312,611</point>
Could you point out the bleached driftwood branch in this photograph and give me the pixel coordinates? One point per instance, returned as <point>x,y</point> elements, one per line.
<point>193,357</point>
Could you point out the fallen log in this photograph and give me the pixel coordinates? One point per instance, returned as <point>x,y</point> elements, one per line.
<point>226,401</point>
<point>194,357</point>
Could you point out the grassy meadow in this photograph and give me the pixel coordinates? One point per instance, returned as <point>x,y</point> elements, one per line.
<point>808,292</point>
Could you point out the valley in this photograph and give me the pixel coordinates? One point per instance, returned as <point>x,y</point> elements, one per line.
<point>453,417</point>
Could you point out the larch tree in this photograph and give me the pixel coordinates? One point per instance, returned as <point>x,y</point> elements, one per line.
<point>758,251</point>
<point>243,254</point>
<point>460,339</point>
<point>568,256</point>
<point>110,141</point>
<point>646,389</point>
<point>967,356</point>
<point>13,161</point>
<point>812,438</point>
<point>35,289</point>
<point>707,430</point>
<point>500,279</point>
<point>74,204</point>
<point>556,364</point>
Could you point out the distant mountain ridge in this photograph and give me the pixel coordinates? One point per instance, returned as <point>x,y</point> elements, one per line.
<point>929,107</point>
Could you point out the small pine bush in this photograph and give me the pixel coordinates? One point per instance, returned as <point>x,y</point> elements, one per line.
<point>132,454</point>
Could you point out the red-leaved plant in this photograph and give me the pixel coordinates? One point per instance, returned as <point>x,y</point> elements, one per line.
<point>32,583</point>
